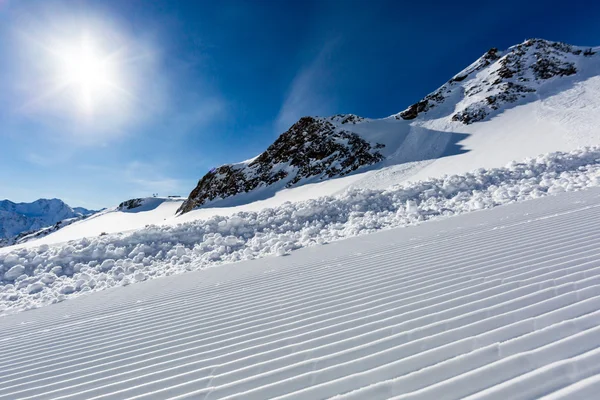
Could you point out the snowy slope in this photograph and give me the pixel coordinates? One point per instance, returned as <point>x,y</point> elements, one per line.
<point>552,112</point>
<point>153,211</point>
<point>35,275</point>
<point>18,218</point>
<point>496,304</point>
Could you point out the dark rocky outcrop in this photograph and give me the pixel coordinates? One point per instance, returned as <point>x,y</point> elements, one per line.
<point>422,106</point>
<point>130,204</point>
<point>312,147</point>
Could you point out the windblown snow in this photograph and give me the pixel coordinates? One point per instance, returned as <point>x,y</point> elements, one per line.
<point>35,276</point>
<point>497,304</point>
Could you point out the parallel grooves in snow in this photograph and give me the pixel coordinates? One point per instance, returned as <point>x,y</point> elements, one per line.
<point>491,305</point>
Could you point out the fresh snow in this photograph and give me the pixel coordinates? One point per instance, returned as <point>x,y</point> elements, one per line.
<point>51,273</point>
<point>496,304</point>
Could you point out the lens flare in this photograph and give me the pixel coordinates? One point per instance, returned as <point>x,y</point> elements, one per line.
<point>88,72</point>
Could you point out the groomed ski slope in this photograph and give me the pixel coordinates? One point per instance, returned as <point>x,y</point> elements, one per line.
<point>495,304</point>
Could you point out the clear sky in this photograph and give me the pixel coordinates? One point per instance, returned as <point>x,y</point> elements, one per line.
<point>101,101</point>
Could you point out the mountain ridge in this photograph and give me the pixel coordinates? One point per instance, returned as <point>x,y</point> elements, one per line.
<point>313,147</point>
<point>311,150</point>
<point>513,74</point>
<point>18,220</point>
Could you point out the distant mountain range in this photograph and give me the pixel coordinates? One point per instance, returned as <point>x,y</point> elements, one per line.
<point>317,148</point>
<point>21,220</point>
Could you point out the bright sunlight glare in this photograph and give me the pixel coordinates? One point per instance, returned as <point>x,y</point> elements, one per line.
<point>84,71</point>
<point>88,72</point>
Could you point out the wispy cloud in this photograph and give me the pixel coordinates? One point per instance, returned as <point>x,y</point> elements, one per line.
<point>200,113</point>
<point>40,160</point>
<point>147,178</point>
<point>140,179</point>
<point>310,90</point>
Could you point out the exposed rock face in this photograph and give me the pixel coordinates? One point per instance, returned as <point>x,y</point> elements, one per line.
<point>496,80</point>
<point>432,99</point>
<point>130,204</point>
<point>312,147</point>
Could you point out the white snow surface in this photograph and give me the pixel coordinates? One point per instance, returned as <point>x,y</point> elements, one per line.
<point>497,304</point>
<point>113,220</point>
<point>35,276</point>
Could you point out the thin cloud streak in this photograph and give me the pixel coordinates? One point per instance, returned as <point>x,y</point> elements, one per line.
<point>309,93</point>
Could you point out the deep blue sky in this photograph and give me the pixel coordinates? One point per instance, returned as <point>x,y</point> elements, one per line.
<point>203,83</point>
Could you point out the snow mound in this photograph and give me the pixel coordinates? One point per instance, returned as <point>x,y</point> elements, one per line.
<point>34,277</point>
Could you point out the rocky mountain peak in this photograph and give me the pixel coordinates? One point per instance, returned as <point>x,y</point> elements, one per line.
<point>498,78</point>
<point>313,147</point>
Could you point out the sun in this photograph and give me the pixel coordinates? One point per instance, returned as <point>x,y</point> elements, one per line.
<point>85,72</point>
<point>87,69</point>
<point>89,73</point>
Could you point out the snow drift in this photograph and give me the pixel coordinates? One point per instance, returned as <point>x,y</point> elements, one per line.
<point>31,277</point>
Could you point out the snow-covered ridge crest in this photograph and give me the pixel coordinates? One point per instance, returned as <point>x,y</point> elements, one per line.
<point>313,147</point>
<point>34,277</point>
<point>500,78</point>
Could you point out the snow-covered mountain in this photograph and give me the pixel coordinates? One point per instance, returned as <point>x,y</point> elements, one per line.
<point>499,79</point>
<point>18,220</point>
<point>331,156</point>
<point>537,72</point>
